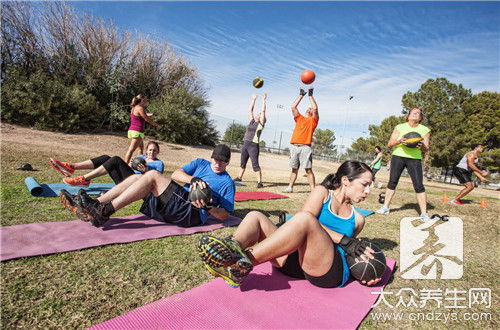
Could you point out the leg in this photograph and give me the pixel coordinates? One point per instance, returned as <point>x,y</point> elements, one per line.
<point>143,184</point>
<point>468,188</point>
<point>293,177</point>
<point>244,159</point>
<point>389,194</point>
<point>310,178</point>
<point>302,232</point>
<point>100,171</point>
<point>85,165</point>
<point>422,202</point>
<point>258,174</point>
<point>417,178</point>
<point>397,167</point>
<point>240,174</point>
<point>141,148</point>
<point>134,143</point>
<point>119,189</point>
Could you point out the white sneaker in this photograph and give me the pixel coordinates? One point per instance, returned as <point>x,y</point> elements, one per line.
<point>425,217</point>
<point>288,190</point>
<point>379,185</point>
<point>383,210</point>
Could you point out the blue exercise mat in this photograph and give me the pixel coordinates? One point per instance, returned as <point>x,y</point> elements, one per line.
<point>52,189</point>
<point>363,212</point>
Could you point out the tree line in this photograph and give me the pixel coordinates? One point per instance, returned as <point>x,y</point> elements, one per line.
<point>68,71</point>
<point>457,120</point>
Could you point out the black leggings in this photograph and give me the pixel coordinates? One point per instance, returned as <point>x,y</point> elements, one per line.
<point>414,167</point>
<point>332,279</point>
<point>117,169</point>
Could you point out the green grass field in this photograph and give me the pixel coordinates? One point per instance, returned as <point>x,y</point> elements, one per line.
<point>83,288</point>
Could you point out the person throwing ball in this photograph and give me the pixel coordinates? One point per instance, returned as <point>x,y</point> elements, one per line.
<point>463,171</point>
<point>410,158</point>
<point>251,141</point>
<point>301,152</point>
<point>311,245</point>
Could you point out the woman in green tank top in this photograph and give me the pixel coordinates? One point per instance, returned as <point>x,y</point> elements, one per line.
<point>404,156</point>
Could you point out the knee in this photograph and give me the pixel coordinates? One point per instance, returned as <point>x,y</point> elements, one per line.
<point>305,219</point>
<point>295,170</point>
<point>420,189</point>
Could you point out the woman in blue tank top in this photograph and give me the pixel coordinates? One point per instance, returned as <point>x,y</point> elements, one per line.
<point>311,245</point>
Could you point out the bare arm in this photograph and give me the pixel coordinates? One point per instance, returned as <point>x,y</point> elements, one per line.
<point>380,155</point>
<point>144,115</point>
<point>314,106</point>
<point>295,104</point>
<point>393,140</point>
<point>424,145</point>
<point>250,110</point>
<point>470,162</point>
<point>263,113</point>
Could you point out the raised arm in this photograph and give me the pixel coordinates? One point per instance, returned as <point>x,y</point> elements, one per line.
<point>250,109</point>
<point>314,106</point>
<point>263,112</point>
<point>295,104</point>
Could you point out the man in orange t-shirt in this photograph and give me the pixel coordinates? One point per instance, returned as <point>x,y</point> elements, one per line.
<point>301,152</point>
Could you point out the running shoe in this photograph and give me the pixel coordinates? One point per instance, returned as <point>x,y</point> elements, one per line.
<point>232,276</point>
<point>70,203</point>
<point>425,217</point>
<point>224,258</point>
<point>77,181</point>
<point>223,252</point>
<point>237,179</point>
<point>260,185</point>
<point>456,202</point>
<point>288,190</point>
<point>383,210</point>
<point>65,168</point>
<point>92,208</point>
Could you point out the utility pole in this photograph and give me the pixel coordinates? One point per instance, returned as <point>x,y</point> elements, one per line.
<point>343,130</point>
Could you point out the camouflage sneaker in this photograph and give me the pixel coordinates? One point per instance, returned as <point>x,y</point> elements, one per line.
<point>92,208</point>
<point>65,168</point>
<point>232,275</point>
<point>70,203</point>
<point>224,253</point>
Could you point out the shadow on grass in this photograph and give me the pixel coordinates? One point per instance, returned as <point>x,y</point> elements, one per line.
<point>412,206</point>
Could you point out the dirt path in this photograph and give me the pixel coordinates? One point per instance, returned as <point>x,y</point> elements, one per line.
<point>274,167</point>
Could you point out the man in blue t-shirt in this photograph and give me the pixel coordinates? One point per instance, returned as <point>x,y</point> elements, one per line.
<point>164,199</point>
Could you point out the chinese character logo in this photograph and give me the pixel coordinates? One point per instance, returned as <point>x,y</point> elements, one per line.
<point>431,250</point>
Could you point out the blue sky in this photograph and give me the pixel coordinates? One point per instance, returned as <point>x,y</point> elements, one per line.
<point>375,51</point>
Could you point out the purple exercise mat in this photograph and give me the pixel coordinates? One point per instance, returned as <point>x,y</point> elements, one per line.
<point>53,237</point>
<point>266,300</point>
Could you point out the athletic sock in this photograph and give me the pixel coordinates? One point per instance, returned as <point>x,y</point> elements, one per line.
<point>108,209</point>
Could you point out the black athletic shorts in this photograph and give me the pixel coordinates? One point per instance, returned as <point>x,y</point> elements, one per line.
<point>332,279</point>
<point>462,175</point>
<point>172,206</point>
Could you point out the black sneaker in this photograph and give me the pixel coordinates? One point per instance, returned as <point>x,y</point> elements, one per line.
<point>260,185</point>
<point>92,208</point>
<point>237,179</point>
<point>70,203</point>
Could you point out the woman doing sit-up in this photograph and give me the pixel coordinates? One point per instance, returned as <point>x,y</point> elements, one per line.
<point>117,169</point>
<point>311,245</point>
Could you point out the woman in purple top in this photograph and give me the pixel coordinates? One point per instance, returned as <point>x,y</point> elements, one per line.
<point>138,119</point>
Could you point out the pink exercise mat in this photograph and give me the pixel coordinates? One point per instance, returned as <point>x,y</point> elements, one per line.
<point>54,237</point>
<point>266,300</point>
